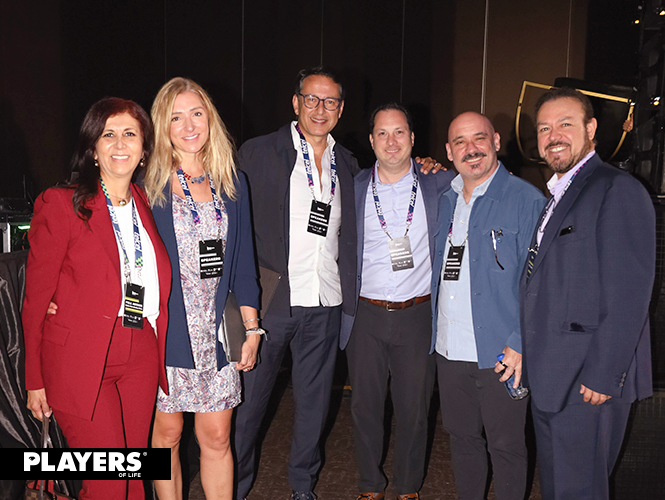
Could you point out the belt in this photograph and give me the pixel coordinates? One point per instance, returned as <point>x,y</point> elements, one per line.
<point>394,306</point>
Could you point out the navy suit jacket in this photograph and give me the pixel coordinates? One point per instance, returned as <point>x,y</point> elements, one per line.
<point>431,186</point>
<point>239,274</point>
<point>584,310</point>
<point>268,161</point>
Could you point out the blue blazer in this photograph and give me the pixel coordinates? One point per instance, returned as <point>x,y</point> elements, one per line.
<point>239,274</point>
<point>584,310</point>
<point>431,186</point>
<point>511,205</point>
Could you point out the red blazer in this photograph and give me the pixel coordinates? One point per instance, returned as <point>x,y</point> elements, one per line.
<point>77,266</point>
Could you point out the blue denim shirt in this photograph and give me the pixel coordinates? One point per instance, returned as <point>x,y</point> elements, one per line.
<point>511,207</point>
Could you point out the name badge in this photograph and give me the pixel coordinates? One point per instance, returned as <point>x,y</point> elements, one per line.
<point>401,257</point>
<point>132,315</point>
<point>211,258</point>
<point>453,263</point>
<point>319,218</point>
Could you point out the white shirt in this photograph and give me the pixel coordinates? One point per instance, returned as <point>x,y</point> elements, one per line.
<point>455,337</point>
<point>149,277</point>
<point>557,188</point>
<point>313,271</point>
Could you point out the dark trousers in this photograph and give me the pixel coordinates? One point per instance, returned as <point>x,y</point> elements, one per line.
<point>312,334</point>
<point>578,448</point>
<point>481,417</point>
<point>391,345</point>
<point>124,408</point>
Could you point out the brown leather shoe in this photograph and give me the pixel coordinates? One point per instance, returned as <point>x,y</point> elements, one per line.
<point>371,496</point>
<point>409,496</point>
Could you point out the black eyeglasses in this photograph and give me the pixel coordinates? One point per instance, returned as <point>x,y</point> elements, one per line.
<point>329,103</point>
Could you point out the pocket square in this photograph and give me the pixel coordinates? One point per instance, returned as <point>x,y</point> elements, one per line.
<point>567,230</point>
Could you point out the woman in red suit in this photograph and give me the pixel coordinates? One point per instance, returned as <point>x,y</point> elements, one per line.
<point>94,250</point>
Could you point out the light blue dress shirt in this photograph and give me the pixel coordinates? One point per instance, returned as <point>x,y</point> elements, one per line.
<point>379,281</point>
<point>455,339</point>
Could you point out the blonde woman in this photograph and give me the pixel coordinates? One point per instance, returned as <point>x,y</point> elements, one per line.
<point>201,207</point>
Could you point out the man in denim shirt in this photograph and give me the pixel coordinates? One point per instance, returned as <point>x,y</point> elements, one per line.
<point>486,219</point>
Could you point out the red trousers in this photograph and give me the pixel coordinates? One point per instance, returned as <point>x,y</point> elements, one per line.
<point>124,409</point>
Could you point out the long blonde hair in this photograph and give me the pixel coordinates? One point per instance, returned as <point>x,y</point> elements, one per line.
<point>217,155</point>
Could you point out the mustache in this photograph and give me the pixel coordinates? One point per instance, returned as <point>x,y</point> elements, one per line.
<point>471,156</point>
<point>555,144</point>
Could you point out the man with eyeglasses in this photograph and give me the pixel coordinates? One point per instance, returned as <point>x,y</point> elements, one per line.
<point>301,185</point>
<point>485,224</point>
<point>387,339</point>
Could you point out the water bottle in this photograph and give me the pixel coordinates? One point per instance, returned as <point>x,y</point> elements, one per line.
<point>521,392</point>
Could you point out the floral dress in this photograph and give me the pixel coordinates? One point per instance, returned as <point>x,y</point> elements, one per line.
<point>204,388</point>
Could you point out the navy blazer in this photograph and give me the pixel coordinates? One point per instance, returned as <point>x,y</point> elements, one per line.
<point>584,310</point>
<point>268,161</point>
<point>511,205</point>
<point>239,274</point>
<point>431,186</point>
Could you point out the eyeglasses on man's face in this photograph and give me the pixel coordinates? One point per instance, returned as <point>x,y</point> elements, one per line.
<point>329,103</point>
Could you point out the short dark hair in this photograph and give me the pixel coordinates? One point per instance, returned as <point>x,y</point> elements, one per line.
<point>559,93</point>
<point>387,107</point>
<point>85,174</point>
<point>318,71</point>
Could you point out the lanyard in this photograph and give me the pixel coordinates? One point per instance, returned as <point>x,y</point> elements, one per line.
<point>377,202</point>
<point>192,206</point>
<point>138,253</point>
<point>308,167</point>
<point>450,230</point>
<point>551,204</point>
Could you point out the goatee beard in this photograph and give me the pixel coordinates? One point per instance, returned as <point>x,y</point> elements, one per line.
<point>561,166</point>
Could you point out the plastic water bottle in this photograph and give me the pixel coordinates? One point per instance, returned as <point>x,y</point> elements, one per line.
<point>521,392</point>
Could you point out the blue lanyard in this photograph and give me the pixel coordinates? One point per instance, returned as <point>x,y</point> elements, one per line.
<point>308,167</point>
<point>192,207</point>
<point>377,202</point>
<point>138,253</point>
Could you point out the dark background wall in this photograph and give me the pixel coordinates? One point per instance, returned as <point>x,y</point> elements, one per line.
<point>438,57</point>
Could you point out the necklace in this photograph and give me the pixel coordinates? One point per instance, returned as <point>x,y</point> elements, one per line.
<point>195,180</point>
<point>121,201</point>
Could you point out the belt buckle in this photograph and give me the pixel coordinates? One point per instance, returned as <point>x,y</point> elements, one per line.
<point>388,306</point>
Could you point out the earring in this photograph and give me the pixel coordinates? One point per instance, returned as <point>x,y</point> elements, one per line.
<point>142,162</point>
<point>96,163</point>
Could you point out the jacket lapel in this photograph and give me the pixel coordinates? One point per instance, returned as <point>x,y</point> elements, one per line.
<point>161,256</point>
<point>431,202</point>
<point>232,233</point>
<point>361,184</point>
<point>102,228</point>
<point>561,210</point>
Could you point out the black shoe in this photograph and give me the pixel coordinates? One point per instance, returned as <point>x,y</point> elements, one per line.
<point>303,495</point>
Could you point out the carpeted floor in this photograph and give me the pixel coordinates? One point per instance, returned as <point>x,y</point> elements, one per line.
<point>338,478</point>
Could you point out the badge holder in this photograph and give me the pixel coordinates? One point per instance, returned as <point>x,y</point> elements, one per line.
<point>211,258</point>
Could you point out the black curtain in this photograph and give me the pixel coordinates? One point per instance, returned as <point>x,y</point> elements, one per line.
<point>18,428</point>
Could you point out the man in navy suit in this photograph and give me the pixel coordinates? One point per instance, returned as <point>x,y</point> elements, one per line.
<point>486,221</point>
<point>301,187</point>
<point>388,336</point>
<point>584,298</point>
